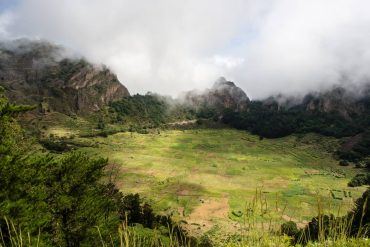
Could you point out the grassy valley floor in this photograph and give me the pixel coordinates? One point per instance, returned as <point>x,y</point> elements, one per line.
<point>210,179</point>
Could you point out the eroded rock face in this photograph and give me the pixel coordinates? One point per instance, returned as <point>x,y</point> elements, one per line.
<point>36,73</point>
<point>338,100</point>
<point>223,95</point>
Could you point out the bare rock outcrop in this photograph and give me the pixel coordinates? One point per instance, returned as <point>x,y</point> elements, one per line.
<point>38,73</point>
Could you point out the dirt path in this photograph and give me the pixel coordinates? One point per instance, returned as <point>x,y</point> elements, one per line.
<point>182,123</point>
<point>205,216</point>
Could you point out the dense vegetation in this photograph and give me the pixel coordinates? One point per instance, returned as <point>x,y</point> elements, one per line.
<point>272,122</point>
<point>145,109</point>
<point>61,200</point>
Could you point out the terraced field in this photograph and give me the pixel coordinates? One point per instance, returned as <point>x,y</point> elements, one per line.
<point>211,178</point>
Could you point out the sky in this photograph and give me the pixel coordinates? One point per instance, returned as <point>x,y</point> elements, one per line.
<point>170,46</point>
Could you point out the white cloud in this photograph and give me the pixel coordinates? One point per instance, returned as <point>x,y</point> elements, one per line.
<point>5,20</point>
<point>170,46</point>
<point>228,62</point>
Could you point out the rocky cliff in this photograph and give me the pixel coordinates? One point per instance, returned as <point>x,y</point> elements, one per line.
<point>38,73</point>
<point>339,100</point>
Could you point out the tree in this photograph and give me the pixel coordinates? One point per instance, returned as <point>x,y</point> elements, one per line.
<point>77,200</point>
<point>62,196</point>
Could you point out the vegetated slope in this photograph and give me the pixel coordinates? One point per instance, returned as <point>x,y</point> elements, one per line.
<point>140,109</point>
<point>38,73</point>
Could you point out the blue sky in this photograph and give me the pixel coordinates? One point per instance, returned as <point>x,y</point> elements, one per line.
<point>6,4</point>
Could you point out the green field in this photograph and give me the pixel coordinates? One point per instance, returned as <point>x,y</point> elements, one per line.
<point>206,177</point>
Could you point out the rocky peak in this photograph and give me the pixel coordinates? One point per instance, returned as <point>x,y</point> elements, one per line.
<point>38,73</point>
<point>223,83</point>
<point>223,95</point>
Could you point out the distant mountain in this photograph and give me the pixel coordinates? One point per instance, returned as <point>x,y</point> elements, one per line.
<point>36,73</point>
<point>337,100</point>
<point>223,95</point>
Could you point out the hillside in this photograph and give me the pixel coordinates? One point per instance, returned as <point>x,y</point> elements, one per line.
<point>39,73</point>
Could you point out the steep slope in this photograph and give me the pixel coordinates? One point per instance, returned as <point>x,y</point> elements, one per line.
<point>36,73</point>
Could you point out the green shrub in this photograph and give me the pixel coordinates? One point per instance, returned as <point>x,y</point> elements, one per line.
<point>359,180</point>
<point>290,229</point>
<point>344,163</point>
